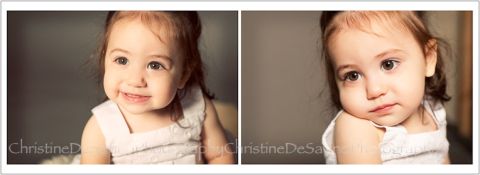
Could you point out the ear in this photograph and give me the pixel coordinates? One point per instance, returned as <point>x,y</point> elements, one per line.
<point>184,79</point>
<point>430,57</point>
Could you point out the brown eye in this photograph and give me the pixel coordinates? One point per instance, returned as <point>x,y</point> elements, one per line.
<point>121,60</point>
<point>389,64</point>
<point>155,65</point>
<point>352,76</point>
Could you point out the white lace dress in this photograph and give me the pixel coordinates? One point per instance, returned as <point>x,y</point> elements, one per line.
<point>173,144</point>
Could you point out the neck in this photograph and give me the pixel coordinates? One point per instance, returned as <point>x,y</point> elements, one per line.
<point>419,121</point>
<point>147,121</point>
<point>415,117</point>
<point>159,113</point>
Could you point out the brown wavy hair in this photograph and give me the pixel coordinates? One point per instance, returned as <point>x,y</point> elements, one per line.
<point>183,28</point>
<point>414,22</point>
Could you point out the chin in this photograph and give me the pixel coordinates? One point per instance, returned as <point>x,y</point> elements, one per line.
<point>391,124</point>
<point>388,122</point>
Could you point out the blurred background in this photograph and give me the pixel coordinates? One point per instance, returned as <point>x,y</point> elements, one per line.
<point>50,84</point>
<point>285,98</point>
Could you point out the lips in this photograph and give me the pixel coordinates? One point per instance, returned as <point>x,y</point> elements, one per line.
<point>385,108</point>
<point>134,98</point>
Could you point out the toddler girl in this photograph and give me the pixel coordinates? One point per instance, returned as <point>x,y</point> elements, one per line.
<point>158,109</point>
<point>386,75</point>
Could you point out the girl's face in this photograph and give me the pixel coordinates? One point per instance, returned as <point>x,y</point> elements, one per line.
<point>381,73</point>
<point>142,72</point>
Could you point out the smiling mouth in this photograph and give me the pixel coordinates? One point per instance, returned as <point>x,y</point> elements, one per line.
<point>383,108</point>
<point>134,98</point>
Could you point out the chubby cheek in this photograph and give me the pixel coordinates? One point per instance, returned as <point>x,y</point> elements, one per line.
<point>110,85</point>
<point>410,90</point>
<point>352,100</point>
<point>163,91</point>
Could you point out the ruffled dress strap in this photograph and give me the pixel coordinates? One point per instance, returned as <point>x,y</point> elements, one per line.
<point>400,147</point>
<point>111,121</point>
<point>328,142</point>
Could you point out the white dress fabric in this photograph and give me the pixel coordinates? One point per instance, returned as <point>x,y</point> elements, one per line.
<point>399,147</point>
<point>173,144</point>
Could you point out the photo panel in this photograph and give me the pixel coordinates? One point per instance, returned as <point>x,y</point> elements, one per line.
<point>53,79</point>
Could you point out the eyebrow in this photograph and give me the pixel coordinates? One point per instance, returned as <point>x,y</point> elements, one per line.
<point>119,50</point>
<point>154,55</point>
<point>381,55</point>
<point>342,67</point>
<point>390,51</point>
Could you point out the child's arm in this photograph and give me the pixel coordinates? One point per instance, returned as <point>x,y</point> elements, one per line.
<point>215,147</point>
<point>93,144</point>
<point>356,141</point>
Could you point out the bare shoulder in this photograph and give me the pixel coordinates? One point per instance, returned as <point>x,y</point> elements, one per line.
<point>351,124</point>
<point>356,140</point>
<point>349,128</point>
<point>93,144</point>
<point>216,148</point>
<point>209,107</point>
<point>92,129</point>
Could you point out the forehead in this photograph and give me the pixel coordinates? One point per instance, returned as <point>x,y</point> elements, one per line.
<point>368,21</point>
<point>373,29</point>
<point>138,37</point>
<point>131,31</point>
<point>381,23</point>
<point>367,36</point>
<point>159,24</point>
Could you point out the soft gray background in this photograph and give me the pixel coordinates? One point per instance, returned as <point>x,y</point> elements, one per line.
<point>50,86</point>
<point>285,99</point>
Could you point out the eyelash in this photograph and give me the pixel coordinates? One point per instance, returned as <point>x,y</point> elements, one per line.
<point>161,66</point>
<point>347,76</point>
<point>154,65</point>
<point>395,64</point>
<point>119,60</point>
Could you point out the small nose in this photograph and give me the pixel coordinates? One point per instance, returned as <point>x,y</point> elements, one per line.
<point>136,79</point>
<point>375,89</point>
